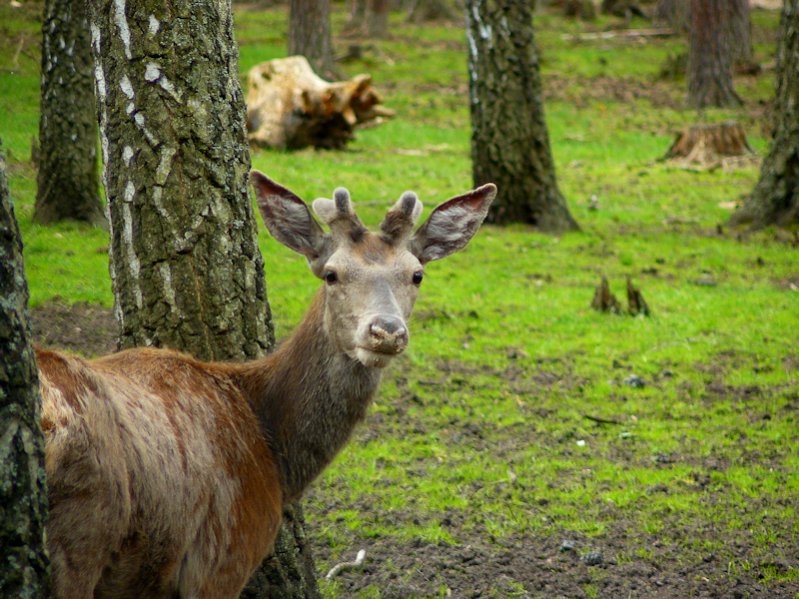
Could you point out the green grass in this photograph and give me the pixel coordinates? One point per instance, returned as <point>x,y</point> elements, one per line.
<point>484,418</point>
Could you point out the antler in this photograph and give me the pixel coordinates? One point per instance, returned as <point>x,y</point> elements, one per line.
<point>339,215</point>
<point>399,221</point>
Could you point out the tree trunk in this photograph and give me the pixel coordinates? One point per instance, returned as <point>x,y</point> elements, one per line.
<point>68,185</point>
<point>23,489</point>
<point>676,13</point>
<point>185,266</point>
<point>710,55</point>
<point>775,199</point>
<point>309,35</point>
<point>740,32</point>
<point>377,17</point>
<point>510,143</point>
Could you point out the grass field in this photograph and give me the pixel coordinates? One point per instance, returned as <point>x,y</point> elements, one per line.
<point>483,453</point>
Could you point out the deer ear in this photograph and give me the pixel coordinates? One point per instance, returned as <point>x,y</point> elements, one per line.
<point>452,224</point>
<point>288,219</point>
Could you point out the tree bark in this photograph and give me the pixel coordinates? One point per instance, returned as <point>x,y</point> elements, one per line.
<point>675,13</point>
<point>23,489</point>
<point>775,199</point>
<point>377,17</point>
<point>68,184</point>
<point>309,35</point>
<point>185,266</point>
<point>510,142</point>
<point>740,32</point>
<point>710,55</point>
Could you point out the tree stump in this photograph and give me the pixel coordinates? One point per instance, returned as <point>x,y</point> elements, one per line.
<point>708,144</point>
<point>636,304</point>
<point>291,107</point>
<point>604,300</point>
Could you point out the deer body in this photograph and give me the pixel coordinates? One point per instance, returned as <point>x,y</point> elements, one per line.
<point>167,475</point>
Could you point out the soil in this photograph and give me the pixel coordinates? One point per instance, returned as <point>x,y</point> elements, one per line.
<point>558,565</point>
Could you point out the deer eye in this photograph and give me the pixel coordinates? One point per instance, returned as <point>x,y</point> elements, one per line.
<point>417,277</point>
<point>330,277</point>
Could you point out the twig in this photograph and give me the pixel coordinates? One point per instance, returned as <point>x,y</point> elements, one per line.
<point>601,420</point>
<point>608,35</point>
<point>335,570</point>
<point>20,45</point>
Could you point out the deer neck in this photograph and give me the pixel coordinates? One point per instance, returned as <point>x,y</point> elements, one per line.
<point>308,397</point>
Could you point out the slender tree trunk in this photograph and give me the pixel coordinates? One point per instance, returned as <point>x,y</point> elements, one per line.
<point>23,490</point>
<point>510,142</point>
<point>740,32</point>
<point>68,185</point>
<point>185,265</point>
<point>710,55</point>
<point>775,199</point>
<point>675,13</point>
<point>309,35</point>
<point>377,17</point>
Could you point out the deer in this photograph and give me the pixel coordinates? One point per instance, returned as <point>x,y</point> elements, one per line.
<point>167,476</point>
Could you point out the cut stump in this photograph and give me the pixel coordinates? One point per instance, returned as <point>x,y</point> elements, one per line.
<point>291,107</point>
<point>604,300</point>
<point>709,144</point>
<point>635,300</point>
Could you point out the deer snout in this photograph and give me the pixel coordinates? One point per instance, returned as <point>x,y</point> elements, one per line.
<point>388,334</point>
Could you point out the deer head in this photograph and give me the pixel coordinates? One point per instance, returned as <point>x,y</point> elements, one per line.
<point>371,278</point>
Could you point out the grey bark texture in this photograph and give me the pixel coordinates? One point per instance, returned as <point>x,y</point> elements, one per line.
<point>68,183</point>
<point>740,32</point>
<point>710,55</point>
<point>510,142</point>
<point>23,489</point>
<point>775,199</point>
<point>309,35</point>
<point>185,265</point>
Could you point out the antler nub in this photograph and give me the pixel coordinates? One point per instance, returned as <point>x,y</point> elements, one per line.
<point>339,215</point>
<point>399,221</point>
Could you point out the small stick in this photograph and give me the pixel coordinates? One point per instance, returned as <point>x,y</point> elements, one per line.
<point>335,570</point>
<point>601,420</point>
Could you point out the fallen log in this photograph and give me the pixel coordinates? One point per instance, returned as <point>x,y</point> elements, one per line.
<point>291,107</point>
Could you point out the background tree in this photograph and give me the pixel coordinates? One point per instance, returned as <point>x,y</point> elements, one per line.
<point>674,12</point>
<point>23,491</point>
<point>740,32</point>
<point>68,185</point>
<point>309,34</point>
<point>775,199</point>
<point>185,266</point>
<point>710,55</point>
<point>510,142</point>
<point>368,17</point>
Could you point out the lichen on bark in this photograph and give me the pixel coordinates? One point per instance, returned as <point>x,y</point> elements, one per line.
<point>510,142</point>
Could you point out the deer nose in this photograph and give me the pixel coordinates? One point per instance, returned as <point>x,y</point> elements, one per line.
<point>388,334</point>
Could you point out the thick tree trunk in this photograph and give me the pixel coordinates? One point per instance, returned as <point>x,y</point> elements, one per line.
<point>185,265</point>
<point>775,199</point>
<point>68,185</point>
<point>23,490</point>
<point>309,34</point>
<point>510,143</point>
<point>710,55</point>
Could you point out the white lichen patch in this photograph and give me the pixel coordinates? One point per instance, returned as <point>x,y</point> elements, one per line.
<point>127,240</point>
<point>122,24</point>
<point>153,25</point>
<point>164,165</point>
<point>127,155</point>
<point>152,72</point>
<point>168,287</point>
<point>126,87</point>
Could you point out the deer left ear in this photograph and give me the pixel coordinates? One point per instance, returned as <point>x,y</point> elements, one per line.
<point>452,224</point>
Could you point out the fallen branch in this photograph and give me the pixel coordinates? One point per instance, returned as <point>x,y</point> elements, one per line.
<point>623,33</point>
<point>601,420</point>
<point>338,568</point>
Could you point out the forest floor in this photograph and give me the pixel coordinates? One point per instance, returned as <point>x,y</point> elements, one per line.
<point>525,445</point>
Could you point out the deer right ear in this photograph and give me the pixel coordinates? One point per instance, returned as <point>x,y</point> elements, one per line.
<point>289,221</point>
